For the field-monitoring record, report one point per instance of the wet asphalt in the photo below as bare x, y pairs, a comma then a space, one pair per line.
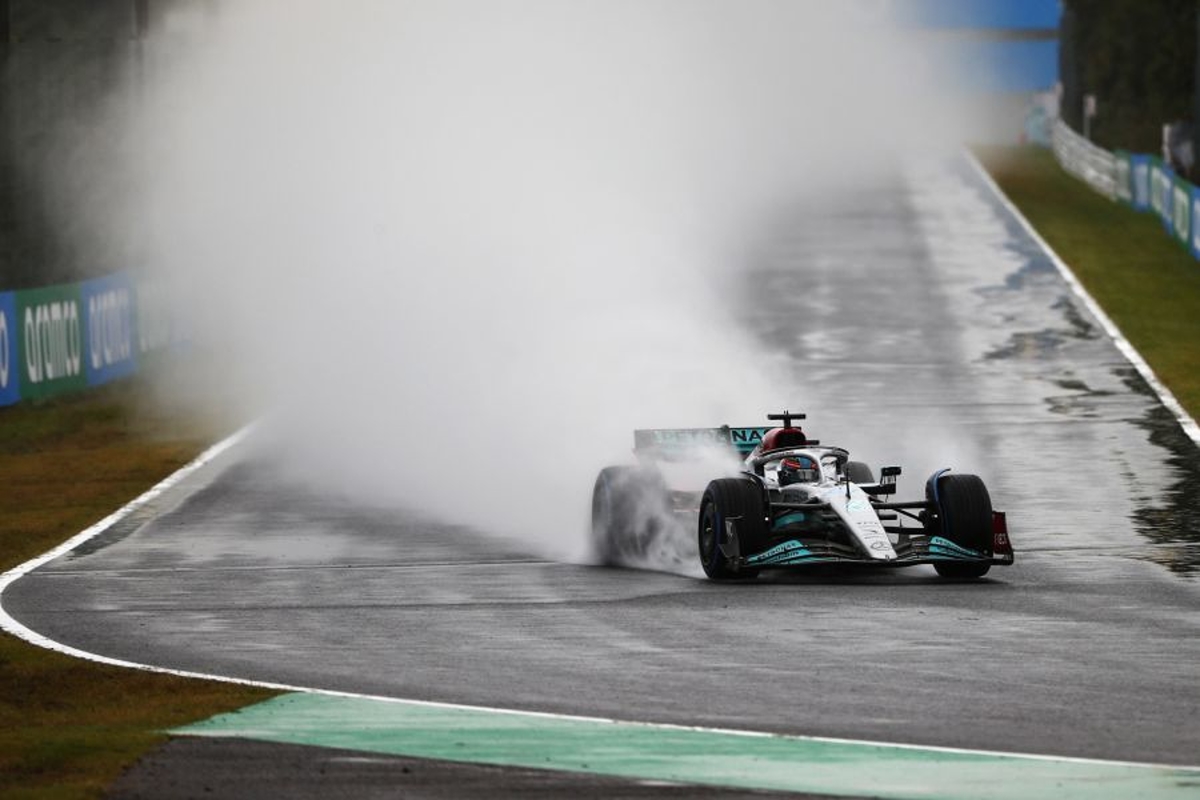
187, 768
920, 326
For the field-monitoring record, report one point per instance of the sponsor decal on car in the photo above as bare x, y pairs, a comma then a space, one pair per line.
683, 436
940, 547
788, 550
747, 436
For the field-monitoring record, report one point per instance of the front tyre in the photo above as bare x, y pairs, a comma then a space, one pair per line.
964, 518
726, 500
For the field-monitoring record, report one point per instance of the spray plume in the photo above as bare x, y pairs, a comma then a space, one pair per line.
461, 248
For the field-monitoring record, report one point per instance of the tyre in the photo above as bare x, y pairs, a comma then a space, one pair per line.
727, 499
628, 506
965, 518
859, 472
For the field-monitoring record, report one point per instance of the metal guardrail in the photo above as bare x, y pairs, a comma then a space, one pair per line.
1094, 165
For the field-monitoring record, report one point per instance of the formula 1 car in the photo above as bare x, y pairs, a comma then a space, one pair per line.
790, 502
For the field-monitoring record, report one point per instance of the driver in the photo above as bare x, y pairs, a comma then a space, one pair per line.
798, 469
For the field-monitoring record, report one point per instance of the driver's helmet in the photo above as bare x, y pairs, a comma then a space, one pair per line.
798, 469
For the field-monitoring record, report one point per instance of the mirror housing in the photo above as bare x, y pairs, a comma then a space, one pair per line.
887, 480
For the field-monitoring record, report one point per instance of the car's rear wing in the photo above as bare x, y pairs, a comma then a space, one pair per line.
675, 442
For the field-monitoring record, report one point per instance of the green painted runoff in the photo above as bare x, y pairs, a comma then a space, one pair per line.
666, 753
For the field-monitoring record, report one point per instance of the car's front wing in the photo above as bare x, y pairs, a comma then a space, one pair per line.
910, 550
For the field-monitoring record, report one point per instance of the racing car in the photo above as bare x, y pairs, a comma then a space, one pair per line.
789, 501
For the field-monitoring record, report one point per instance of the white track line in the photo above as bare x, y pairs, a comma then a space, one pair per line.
1134, 357
12, 626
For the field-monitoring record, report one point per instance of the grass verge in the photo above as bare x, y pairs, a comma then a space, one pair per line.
1145, 281
69, 727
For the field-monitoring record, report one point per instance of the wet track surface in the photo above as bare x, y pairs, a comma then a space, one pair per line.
920, 327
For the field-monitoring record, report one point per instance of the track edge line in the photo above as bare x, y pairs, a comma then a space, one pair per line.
1165, 395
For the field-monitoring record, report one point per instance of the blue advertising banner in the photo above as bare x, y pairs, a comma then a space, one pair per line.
110, 326
1139, 169
9, 365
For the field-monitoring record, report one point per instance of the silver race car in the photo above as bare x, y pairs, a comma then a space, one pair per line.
788, 501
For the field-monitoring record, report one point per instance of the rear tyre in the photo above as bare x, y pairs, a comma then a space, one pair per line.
627, 506
859, 472
965, 518
740, 501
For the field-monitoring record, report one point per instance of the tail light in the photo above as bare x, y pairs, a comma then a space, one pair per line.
1001, 546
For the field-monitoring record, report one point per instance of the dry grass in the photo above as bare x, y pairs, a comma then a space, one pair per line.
69, 727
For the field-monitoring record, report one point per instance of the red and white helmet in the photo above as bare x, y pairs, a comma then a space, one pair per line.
798, 469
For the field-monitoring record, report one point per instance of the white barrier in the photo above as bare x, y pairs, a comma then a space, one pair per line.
1094, 165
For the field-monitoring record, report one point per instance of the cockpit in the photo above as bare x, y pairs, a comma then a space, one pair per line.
808, 465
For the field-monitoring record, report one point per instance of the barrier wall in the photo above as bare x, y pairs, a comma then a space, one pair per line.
60, 339
9, 391
1142, 182
1093, 165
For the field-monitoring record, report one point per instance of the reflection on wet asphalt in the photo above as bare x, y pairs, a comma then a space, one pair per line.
923, 326
1170, 519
